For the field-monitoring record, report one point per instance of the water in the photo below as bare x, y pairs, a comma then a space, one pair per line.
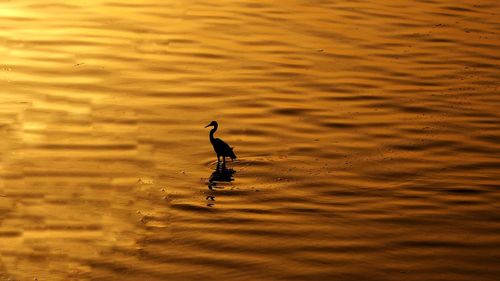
367, 134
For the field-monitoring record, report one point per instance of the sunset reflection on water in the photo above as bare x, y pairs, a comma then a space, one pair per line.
367, 136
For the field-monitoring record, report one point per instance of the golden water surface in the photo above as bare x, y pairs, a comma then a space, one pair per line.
367, 132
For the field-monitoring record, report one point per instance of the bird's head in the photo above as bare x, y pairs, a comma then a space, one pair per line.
213, 123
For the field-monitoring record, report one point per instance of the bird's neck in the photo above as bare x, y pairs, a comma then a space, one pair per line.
212, 133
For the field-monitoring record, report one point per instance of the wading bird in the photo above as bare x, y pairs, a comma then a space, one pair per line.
221, 148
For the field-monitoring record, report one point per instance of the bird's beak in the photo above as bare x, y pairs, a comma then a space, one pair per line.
207, 126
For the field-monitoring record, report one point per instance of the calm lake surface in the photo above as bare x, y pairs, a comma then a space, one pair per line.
367, 135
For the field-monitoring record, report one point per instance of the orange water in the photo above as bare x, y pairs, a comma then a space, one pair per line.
367, 133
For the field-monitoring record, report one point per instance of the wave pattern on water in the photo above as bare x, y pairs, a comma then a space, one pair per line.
367, 133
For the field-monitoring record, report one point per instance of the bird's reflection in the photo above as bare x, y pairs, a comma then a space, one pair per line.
219, 177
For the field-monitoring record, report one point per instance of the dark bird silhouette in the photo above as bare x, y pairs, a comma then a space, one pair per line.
221, 148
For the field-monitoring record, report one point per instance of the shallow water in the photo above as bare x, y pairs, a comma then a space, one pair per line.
367, 134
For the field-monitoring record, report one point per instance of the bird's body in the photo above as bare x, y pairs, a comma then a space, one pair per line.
221, 148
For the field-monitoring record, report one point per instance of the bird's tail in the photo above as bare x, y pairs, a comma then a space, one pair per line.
232, 155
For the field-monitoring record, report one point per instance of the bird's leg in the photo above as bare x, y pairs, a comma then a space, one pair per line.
224, 160
218, 158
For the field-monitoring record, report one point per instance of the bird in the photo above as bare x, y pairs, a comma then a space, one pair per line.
221, 148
